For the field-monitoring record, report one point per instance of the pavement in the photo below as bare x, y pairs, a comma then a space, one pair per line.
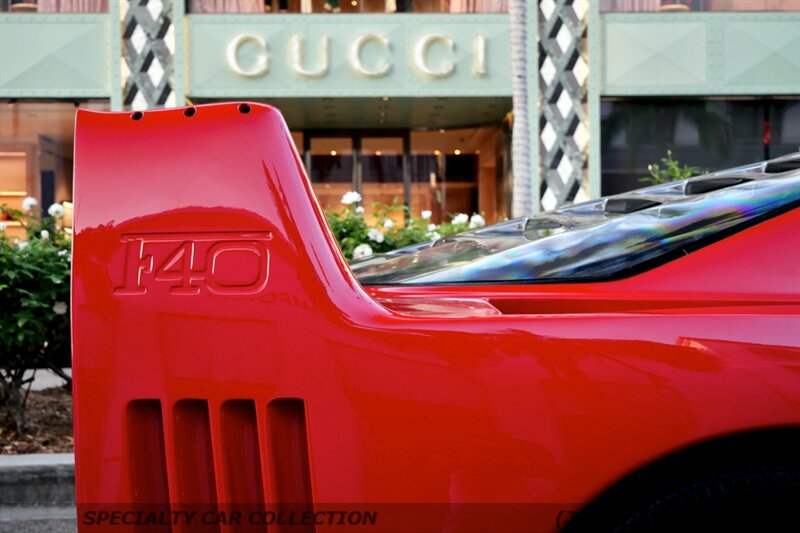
38, 519
45, 379
37, 491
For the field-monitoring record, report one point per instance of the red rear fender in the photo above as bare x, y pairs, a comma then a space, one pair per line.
205, 276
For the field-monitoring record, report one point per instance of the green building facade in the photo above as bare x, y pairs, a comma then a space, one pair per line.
412, 100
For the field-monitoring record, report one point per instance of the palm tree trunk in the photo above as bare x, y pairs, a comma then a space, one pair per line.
521, 190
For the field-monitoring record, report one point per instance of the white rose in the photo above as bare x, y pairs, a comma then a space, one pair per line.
2, 227
62, 253
22, 244
44, 234
359, 210
432, 227
60, 308
351, 197
375, 235
434, 235
460, 218
388, 223
56, 210
29, 203
361, 251
426, 215
476, 221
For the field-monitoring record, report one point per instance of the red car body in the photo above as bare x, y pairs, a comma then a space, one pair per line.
225, 355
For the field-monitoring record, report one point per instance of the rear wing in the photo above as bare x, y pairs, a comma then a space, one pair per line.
204, 277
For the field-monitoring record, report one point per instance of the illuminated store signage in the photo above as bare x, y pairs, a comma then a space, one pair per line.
319, 57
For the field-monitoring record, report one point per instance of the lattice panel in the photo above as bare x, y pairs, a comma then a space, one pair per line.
148, 48
563, 116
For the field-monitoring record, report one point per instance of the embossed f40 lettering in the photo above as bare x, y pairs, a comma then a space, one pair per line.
235, 264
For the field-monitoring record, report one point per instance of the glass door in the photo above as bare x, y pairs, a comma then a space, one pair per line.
371, 163
438, 171
330, 163
444, 179
381, 173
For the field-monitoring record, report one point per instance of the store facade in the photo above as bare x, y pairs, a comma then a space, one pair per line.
398, 109
410, 101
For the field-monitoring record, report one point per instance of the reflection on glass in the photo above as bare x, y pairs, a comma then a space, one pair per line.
683, 6
709, 134
344, 6
784, 127
233, 6
589, 247
54, 6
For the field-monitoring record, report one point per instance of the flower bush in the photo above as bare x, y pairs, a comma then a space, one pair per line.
358, 239
34, 298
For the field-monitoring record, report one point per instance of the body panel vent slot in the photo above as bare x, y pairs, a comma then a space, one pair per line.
782, 166
243, 481
623, 206
147, 461
195, 482
289, 468
713, 184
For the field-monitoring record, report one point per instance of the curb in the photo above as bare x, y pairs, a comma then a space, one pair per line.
37, 479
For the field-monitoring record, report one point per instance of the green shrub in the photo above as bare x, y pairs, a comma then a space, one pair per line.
669, 170
34, 298
358, 239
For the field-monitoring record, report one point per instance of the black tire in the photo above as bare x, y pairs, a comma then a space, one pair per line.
750, 500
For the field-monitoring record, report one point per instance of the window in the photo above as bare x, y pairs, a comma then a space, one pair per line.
448, 171
683, 6
709, 134
589, 242
36, 147
54, 6
347, 6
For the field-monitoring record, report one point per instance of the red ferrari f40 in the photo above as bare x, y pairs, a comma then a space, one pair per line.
626, 364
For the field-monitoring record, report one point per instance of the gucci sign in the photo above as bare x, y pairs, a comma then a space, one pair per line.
320, 67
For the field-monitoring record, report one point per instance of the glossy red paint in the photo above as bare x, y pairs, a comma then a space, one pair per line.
224, 353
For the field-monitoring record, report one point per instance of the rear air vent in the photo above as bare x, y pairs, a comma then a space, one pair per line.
241, 452
234, 455
194, 460
623, 206
290, 477
782, 166
713, 184
147, 461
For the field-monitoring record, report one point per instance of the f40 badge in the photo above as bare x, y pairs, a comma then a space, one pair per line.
234, 264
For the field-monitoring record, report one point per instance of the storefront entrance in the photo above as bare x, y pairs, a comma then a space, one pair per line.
374, 163
443, 171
